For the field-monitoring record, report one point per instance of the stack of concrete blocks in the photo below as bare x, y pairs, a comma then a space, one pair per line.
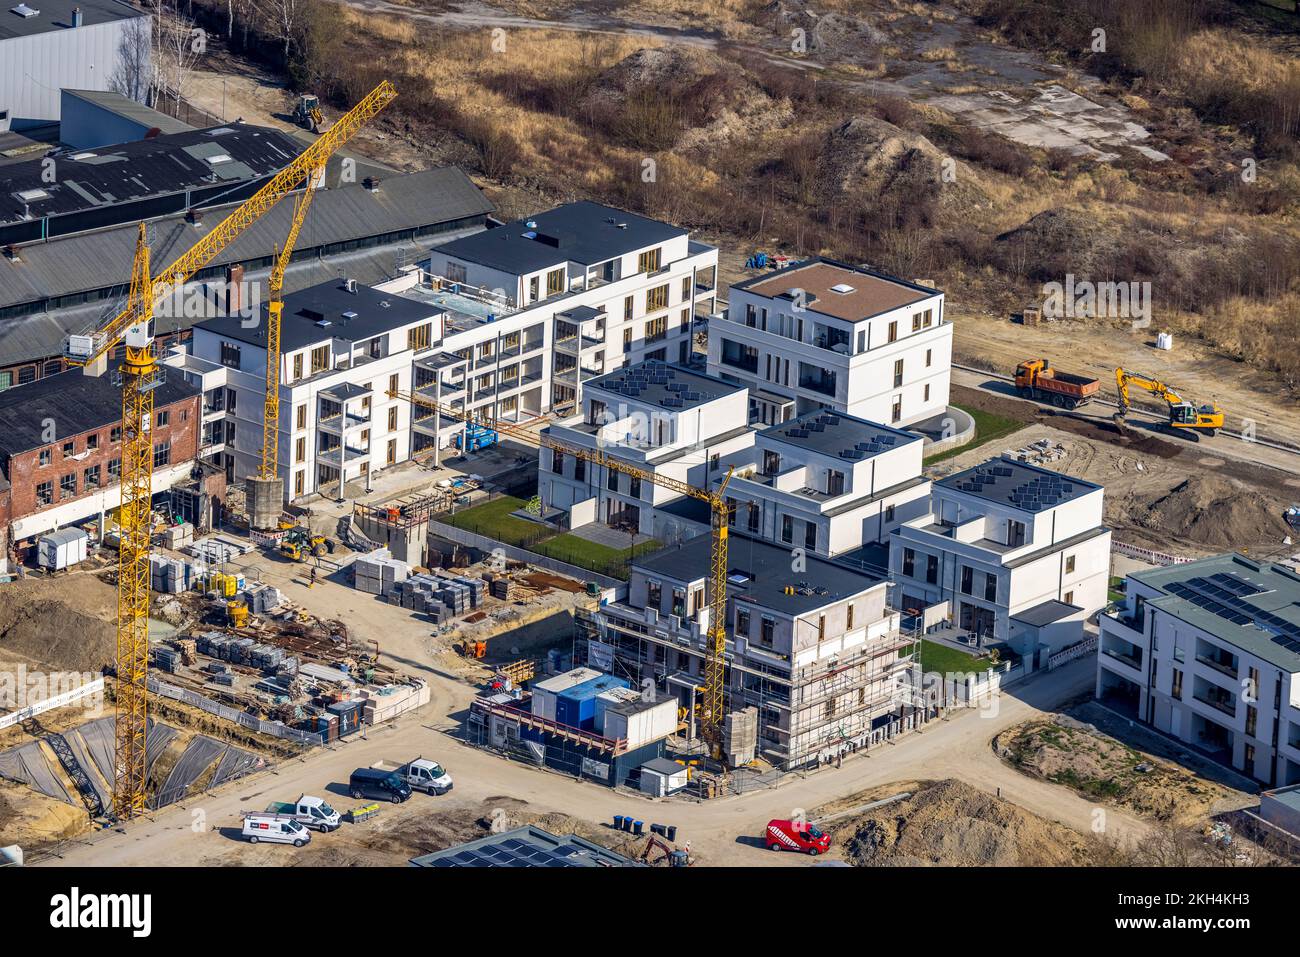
263, 598
170, 575
379, 572
179, 536
740, 736
386, 703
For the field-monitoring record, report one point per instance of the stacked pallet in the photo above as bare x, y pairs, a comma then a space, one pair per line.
502, 588
378, 573
170, 575
263, 598
440, 597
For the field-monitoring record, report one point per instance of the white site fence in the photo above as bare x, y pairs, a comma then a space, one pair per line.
1148, 555
1063, 657
275, 728
95, 687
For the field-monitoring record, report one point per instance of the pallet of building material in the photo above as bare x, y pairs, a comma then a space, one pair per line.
226, 680
188, 648
363, 813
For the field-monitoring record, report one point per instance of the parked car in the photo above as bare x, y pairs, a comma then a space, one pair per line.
378, 783
275, 829
308, 811
792, 836
420, 774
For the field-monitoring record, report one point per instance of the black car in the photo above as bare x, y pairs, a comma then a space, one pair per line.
377, 783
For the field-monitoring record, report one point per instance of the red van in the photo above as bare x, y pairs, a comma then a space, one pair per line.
789, 836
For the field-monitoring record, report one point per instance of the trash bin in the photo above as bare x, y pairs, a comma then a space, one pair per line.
618, 822
671, 832
638, 828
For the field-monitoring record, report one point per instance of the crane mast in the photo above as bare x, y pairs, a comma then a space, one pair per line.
713, 697
138, 376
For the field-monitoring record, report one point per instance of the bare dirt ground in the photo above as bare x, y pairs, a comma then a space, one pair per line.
64, 623
1069, 752
1160, 493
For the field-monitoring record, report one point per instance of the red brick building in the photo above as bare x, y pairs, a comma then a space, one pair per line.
61, 451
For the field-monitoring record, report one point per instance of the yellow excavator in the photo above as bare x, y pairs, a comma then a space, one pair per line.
1186, 418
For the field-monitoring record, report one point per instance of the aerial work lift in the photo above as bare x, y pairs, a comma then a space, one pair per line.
711, 705
140, 374
1186, 418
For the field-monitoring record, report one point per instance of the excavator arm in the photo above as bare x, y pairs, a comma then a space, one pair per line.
714, 691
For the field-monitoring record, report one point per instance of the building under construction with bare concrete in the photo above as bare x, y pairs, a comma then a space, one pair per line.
816, 651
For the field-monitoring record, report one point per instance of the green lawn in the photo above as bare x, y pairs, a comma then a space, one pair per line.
1113, 593
494, 520
945, 660
987, 428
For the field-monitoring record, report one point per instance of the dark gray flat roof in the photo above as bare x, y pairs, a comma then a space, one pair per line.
129, 109
56, 15
658, 383
582, 232
766, 571
372, 313
843, 436
527, 846
1018, 484
1046, 612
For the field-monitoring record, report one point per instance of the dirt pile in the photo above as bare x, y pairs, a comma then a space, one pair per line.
1215, 511
62, 624
1068, 752
950, 823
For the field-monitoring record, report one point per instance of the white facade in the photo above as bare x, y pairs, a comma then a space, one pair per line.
1228, 687
825, 335
1001, 540
694, 445
49, 54
829, 483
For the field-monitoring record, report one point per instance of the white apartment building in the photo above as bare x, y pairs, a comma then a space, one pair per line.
344, 347
823, 662
824, 335
1209, 652
657, 417
1010, 552
612, 289
830, 483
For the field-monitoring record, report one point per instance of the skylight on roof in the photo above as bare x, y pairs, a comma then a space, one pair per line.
842, 288
82, 156
24, 11
218, 159
32, 195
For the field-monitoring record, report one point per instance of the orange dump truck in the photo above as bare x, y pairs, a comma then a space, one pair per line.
1036, 379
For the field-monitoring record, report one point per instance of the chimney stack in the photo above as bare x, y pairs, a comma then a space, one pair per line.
76, 17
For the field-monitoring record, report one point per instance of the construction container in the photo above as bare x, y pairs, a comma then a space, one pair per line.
62, 549
544, 692
576, 706
350, 715
612, 696
639, 722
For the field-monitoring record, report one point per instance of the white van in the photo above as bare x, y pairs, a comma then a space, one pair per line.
275, 829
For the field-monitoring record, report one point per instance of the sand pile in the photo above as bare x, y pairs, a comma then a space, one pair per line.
1216, 512
65, 624
952, 824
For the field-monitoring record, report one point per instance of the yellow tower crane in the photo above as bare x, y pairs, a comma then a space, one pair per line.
139, 375
713, 698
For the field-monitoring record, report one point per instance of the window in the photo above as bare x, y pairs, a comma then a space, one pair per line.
297, 366
654, 594
896, 413
392, 419
1015, 533
68, 449
991, 587
45, 493
821, 627
686, 292
1176, 688
320, 359
230, 355
656, 329
555, 282
679, 602
44, 457
557, 462
162, 454
909, 562
926, 395
611, 482
967, 580
850, 614
90, 478
893, 331
898, 373
656, 298
115, 434
889, 513
162, 418
739, 356
68, 486
627, 339
767, 631
1069, 564
627, 308
649, 260
634, 486
1252, 718
787, 529
1068, 598
809, 535
298, 482
391, 455
742, 622
932, 569
929, 354
533, 286
300, 417
115, 469
92, 441
580, 470
394, 382
300, 450
754, 517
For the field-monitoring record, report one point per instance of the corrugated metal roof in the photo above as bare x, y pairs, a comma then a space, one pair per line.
89, 262
128, 108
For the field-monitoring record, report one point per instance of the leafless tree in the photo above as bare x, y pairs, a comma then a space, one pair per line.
282, 17
180, 45
135, 74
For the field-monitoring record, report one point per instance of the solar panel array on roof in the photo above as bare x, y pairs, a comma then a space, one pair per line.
656, 381
510, 853
1224, 596
1041, 491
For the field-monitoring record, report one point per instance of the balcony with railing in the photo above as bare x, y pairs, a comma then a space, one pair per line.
1215, 697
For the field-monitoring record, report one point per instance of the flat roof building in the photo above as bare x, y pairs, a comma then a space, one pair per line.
527, 846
